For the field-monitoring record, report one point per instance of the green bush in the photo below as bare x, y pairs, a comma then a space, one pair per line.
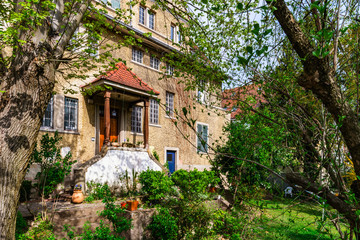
156, 185
112, 231
226, 224
53, 167
21, 226
97, 191
41, 230
194, 184
163, 225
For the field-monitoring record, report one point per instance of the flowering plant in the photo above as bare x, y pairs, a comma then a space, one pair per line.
78, 187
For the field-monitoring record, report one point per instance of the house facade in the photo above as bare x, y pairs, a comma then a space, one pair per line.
137, 103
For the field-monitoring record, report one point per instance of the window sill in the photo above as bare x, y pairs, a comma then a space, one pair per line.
135, 133
155, 125
170, 117
59, 131
143, 65
152, 30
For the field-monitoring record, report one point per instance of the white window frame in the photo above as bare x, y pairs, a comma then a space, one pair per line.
136, 119
172, 32
137, 55
154, 112
170, 104
49, 108
201, 93
169, 69
142, 14
154, 63
74, 108
151, 21
201, 148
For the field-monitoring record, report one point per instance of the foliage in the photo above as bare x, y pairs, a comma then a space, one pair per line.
21, 225
41, 230
156, 155
229, 225
97, 191
53, 167
25, 190
163, 226
113, 213
156, 185
253, 139
194, 184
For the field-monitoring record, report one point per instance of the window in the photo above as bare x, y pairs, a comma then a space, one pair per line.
151, 20
169, 69
201, 94
170, 104
136, 119
70, 114
115, 4
47, 121
154, 62
93, 44
154, 111
202, 137
179, 36
172, 33
137, 55
142, 15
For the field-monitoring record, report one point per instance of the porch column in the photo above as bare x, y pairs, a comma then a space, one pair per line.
107, 117
146, 123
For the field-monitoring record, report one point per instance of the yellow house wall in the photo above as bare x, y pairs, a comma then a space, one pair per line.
163, 136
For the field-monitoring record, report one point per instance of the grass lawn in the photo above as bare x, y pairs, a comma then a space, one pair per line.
288, 219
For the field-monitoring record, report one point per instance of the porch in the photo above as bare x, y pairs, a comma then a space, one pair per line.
121, 102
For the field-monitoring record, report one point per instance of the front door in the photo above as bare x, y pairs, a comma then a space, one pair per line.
170, 158
113, 130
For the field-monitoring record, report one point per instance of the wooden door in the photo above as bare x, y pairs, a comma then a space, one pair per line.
113, 130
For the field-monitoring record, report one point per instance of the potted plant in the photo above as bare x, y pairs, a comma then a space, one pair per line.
78, 196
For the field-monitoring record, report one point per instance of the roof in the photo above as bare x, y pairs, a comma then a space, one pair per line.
122, 75
232, 96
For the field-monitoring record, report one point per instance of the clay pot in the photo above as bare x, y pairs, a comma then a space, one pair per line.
212, 189
132, 205
77, 197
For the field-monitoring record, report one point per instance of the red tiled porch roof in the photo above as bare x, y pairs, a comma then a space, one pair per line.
122, 75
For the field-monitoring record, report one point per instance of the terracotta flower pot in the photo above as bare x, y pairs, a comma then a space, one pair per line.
132, 205
212, 189
77, 197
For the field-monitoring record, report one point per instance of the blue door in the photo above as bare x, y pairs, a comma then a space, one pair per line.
170, 158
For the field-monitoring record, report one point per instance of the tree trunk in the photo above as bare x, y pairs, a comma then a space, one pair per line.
27, 89
319, 77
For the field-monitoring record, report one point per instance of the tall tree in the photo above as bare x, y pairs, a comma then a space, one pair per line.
39, 41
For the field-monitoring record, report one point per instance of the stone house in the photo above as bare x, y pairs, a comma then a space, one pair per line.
139, 109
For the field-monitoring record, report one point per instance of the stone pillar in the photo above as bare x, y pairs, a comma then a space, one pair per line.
107, 117
146, 123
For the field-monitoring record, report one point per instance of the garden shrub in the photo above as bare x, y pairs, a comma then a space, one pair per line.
118, 224
53, 167
163, 225
41, 230
227, 224
97, 191
21, 225
194, 184
156, 185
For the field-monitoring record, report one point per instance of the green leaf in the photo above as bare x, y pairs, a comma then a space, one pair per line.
240, 6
